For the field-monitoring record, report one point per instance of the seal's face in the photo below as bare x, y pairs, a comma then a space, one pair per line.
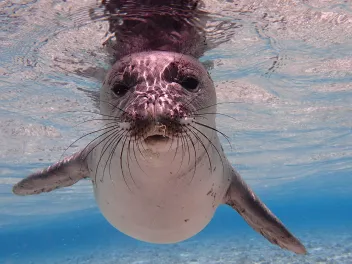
157, 97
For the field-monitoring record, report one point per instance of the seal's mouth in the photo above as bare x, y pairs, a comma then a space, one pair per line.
153, 139
158, 134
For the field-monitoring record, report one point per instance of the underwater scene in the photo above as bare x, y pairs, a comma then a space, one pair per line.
73, 71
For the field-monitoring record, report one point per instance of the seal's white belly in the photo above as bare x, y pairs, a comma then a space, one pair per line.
162, 203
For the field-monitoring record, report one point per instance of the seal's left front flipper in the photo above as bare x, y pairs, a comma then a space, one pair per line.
61, 174
240, 197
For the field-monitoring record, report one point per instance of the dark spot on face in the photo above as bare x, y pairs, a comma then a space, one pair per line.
189, 83
170, 73
129, 79
120, 89
186, 220
211, 190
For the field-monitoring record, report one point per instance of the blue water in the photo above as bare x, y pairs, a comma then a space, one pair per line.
320, 218
290, 74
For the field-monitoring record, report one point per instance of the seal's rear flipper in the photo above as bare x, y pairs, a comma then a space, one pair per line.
61, 174
240, 197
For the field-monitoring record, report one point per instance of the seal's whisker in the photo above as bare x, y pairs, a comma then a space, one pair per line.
98, 119
111, 141
180, 138
135, 156
221, 158
195, 154
112, 152
114, 106
186, 141
121, 164
183, 145
115, 144
110, 138
143, 144
172, 141
199, 109
137, 140
205, 148
91, 112
216, 130
128, 156
96, 131
177, 145
138, 143
191, 101
95, 145
182, 156
216, 114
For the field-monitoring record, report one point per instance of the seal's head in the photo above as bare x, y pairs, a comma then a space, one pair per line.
157, 98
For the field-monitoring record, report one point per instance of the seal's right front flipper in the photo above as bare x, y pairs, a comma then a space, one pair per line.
61, 174
258, 216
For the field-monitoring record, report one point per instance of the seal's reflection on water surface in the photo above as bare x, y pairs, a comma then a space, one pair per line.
157, 167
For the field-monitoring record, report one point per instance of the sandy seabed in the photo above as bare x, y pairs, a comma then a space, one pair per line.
322, 248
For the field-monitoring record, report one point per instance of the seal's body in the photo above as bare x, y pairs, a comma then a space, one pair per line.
158, 169
155, 196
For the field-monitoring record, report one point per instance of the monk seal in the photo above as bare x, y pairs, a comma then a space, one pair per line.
158, 169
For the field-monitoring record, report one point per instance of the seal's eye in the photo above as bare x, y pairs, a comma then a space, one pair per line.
190, 84
120, 89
